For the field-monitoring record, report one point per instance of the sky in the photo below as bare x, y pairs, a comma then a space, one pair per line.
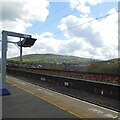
63, 27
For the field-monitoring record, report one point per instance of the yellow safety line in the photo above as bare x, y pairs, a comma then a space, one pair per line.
47, 101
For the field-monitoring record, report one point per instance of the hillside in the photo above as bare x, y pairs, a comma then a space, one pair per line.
109, 66
52, 58
72, 63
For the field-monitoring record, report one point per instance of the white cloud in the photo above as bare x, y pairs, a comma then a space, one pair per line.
100, 37
47, 35
25, 10
17, 25
80, 6
83, 6
71, 46
108, 28
17, 16
95, 40
84, 31
36, 10
43, 45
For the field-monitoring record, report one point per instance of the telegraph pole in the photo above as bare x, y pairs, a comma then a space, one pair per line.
20, 53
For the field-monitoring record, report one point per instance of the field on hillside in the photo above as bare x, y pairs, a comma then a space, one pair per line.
52, 61
50, 58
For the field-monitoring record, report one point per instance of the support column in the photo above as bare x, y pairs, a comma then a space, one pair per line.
20, 53
3, 90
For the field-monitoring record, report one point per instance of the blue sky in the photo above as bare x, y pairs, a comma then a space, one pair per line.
98, 40
58, 10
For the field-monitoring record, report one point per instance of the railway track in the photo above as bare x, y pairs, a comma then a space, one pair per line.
58, 84
98, 77
79, 108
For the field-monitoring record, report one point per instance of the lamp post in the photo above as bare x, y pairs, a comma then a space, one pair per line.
27, 42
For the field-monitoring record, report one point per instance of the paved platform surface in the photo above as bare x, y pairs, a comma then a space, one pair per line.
21, 104
37, 102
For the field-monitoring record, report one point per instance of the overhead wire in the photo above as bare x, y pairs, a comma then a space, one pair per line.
59, 10
56, 12
86, 22
97, 18
54, 21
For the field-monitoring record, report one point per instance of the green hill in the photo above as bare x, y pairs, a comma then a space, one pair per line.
108, 66
52, 58
54, 61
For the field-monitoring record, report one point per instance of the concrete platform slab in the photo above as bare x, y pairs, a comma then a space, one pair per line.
73, 106
21, 104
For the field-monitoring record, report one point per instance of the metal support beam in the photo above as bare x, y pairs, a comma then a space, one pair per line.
3, 90
3, 61
14, 34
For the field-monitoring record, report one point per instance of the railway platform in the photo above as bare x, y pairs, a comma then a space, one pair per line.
31, 101
22, 104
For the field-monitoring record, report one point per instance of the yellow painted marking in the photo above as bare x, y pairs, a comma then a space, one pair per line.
10, 82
